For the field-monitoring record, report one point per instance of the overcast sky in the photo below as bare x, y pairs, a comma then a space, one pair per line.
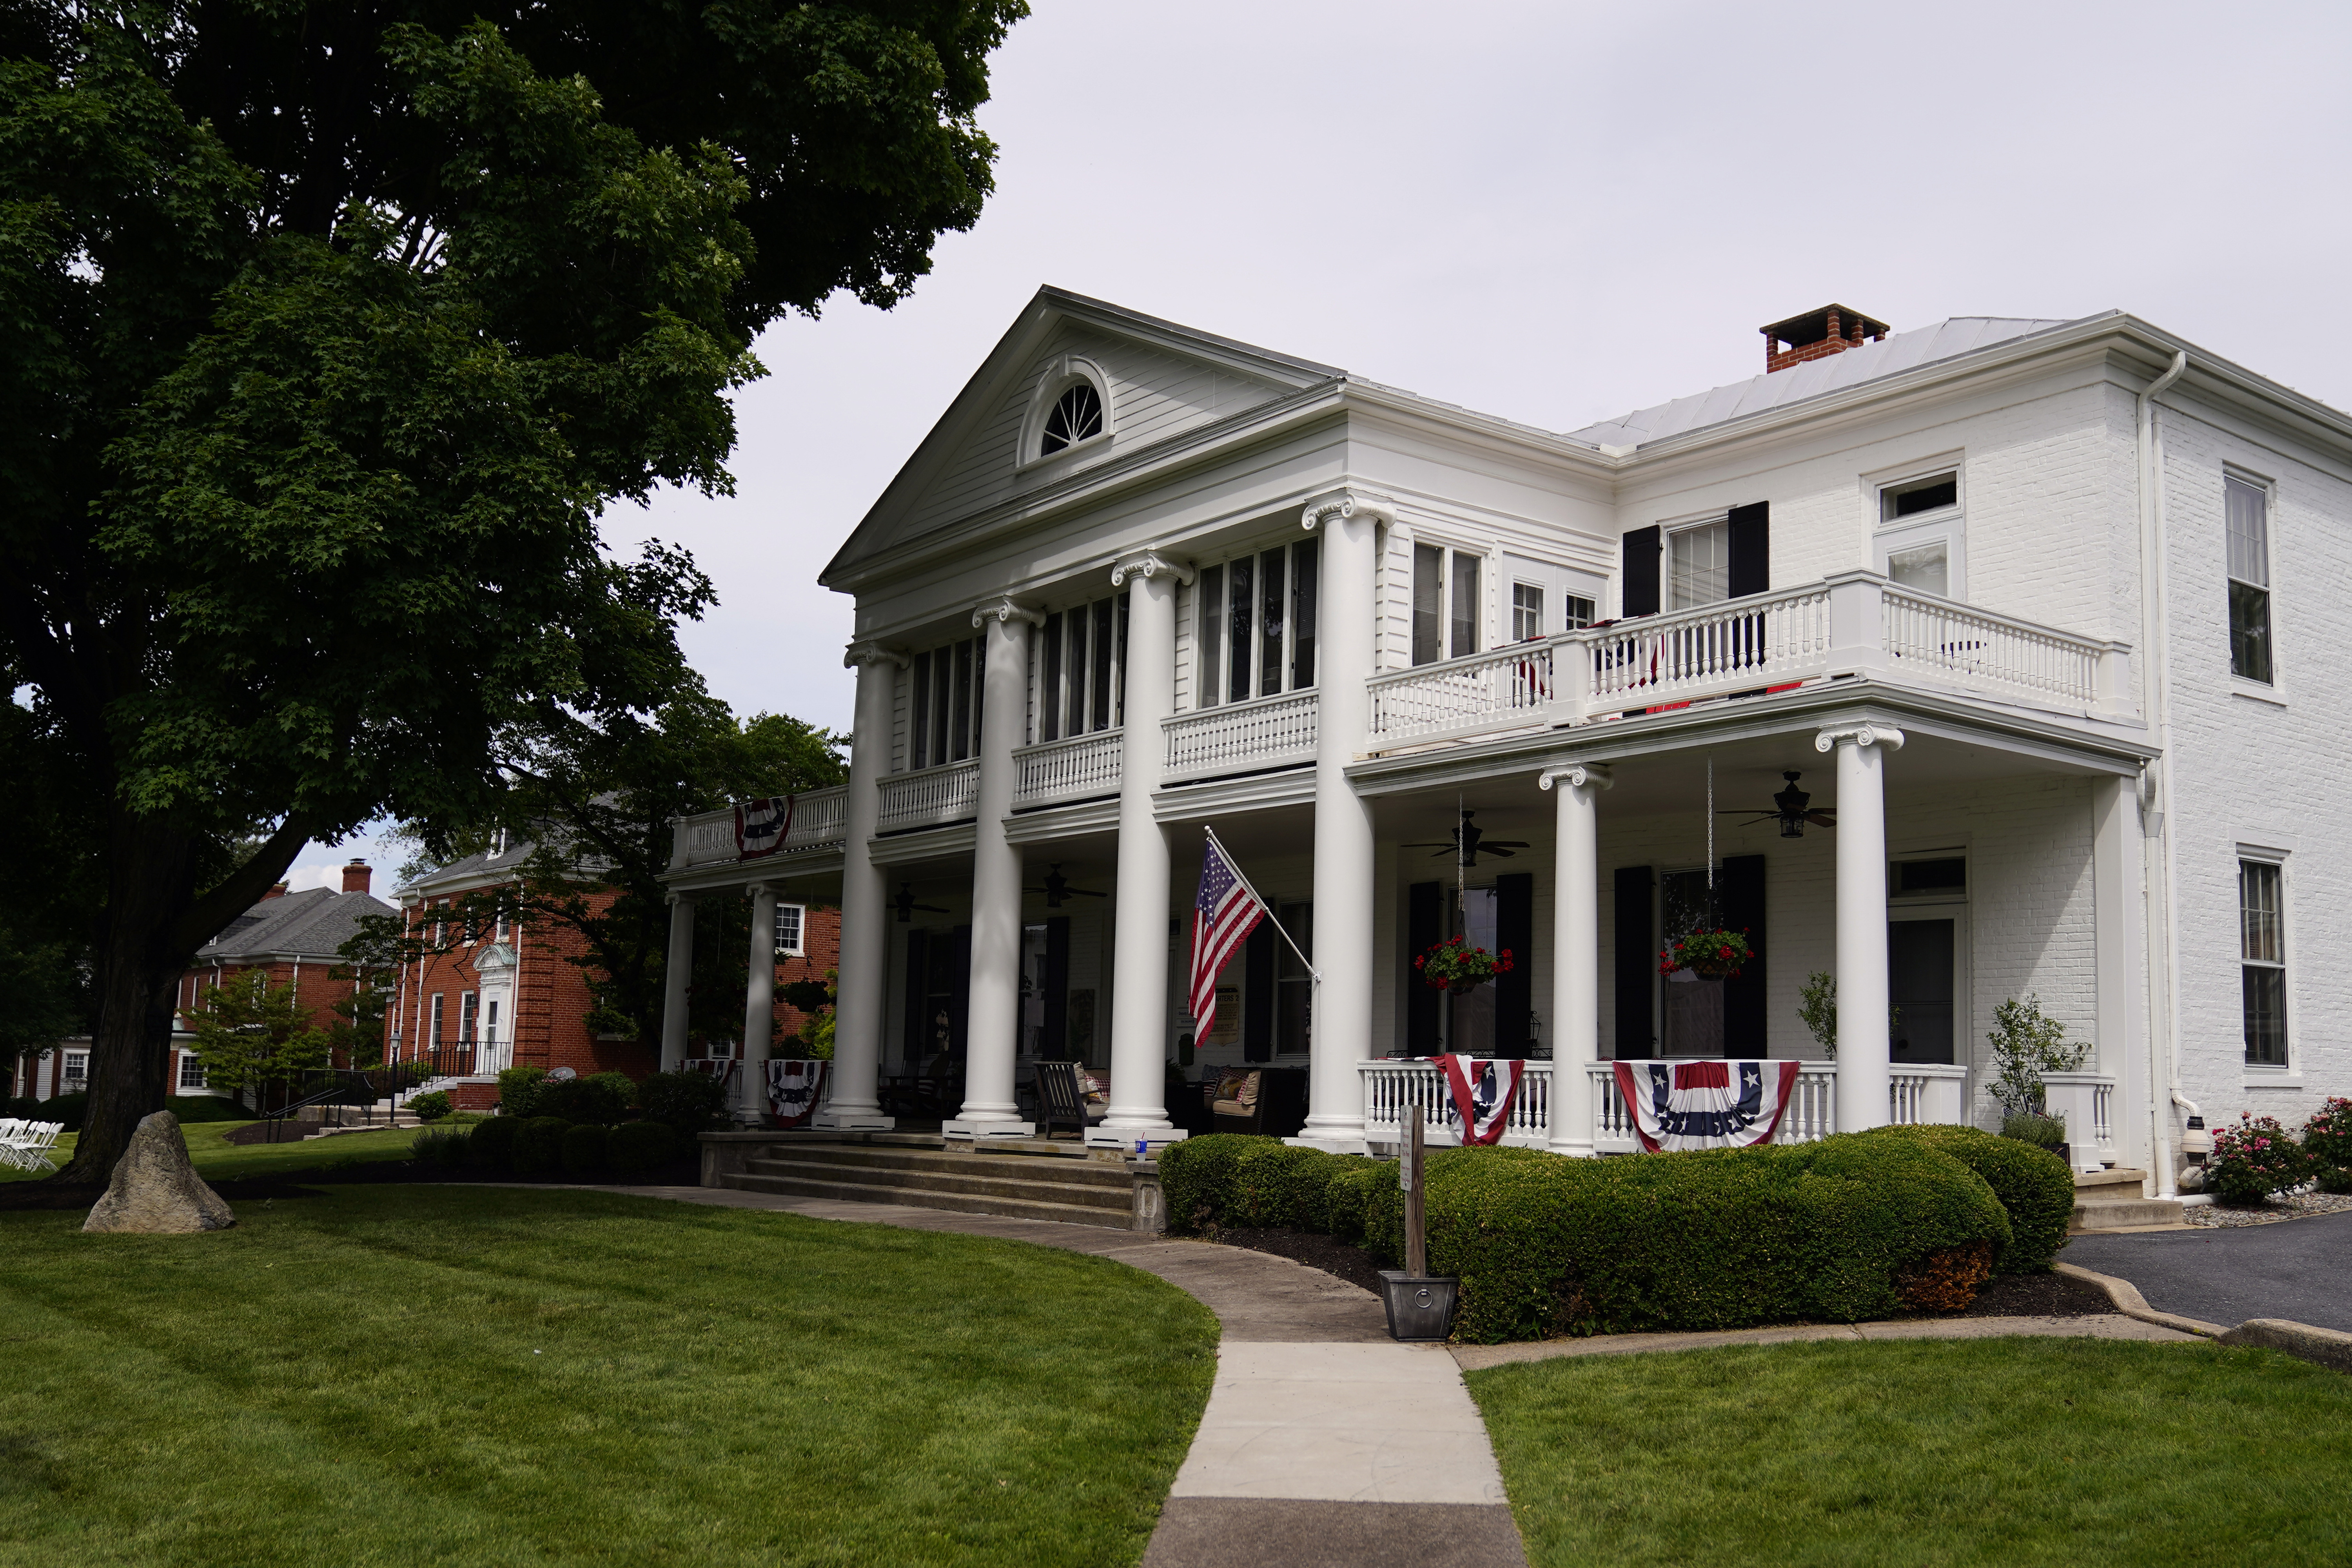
1553, 213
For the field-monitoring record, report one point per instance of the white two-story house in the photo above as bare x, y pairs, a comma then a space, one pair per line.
1985, 660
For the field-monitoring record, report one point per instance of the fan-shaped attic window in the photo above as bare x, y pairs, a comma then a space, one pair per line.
1076, 415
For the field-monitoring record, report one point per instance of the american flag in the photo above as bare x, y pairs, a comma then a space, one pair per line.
1225, 913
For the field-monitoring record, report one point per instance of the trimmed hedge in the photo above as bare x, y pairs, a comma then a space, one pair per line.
1237, 1179
602, 1098
687, 1101
431, 1107
539, 1144
194, 1109
638, 1147
2033, 1184
492, 1142
583, 1148
518, 1091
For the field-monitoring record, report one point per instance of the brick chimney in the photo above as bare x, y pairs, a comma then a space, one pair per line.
356, 877
276, 892
1817, 334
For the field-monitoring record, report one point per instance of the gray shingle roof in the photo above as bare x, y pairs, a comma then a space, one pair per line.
471, 868
311, 924
1889, 356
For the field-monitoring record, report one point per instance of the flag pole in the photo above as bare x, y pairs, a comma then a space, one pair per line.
1265, 907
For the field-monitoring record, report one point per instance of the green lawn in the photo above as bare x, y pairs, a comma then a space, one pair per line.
216, 1159
423, 1375
1998, 1452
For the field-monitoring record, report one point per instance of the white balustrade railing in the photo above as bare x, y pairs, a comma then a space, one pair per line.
1918, 1094
819, 820
1262, 734
1072, 769
1483, 692
2087, 1101
1739, 645
1392, 1085
1935, 639
929, 796
1811, 1113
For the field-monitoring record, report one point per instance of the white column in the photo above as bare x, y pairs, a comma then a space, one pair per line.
2121, 1036
1139, 996
859, 1004
1341, 1035
759, 1011
993, 1036
1862, 1071
676, 972
1575, 952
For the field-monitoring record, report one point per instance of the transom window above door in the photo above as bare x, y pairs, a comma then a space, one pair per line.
1254, 624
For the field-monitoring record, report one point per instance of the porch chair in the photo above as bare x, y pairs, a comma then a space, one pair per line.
1270, 1102
1061, 1097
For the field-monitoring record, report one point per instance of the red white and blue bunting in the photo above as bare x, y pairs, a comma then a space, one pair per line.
1706, 1105
761, 826
793, 1087
1483, 1091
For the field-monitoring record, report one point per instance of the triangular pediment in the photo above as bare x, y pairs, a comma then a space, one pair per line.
1157, 382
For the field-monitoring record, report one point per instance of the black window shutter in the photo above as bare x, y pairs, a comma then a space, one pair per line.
1640, 588
1257, 995
1740, 890
1514, 929
1055, 1047
1425, 927
1751, 549
1635, 962
918, 996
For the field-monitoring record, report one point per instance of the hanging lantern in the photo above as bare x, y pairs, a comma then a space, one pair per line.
1791, 802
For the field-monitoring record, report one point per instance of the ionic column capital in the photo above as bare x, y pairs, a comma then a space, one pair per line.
1347, 502
1886, 735
1147, 564
1579, 776
1004, 611
859, 653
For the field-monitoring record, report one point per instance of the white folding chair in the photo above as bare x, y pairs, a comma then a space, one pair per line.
35, 1150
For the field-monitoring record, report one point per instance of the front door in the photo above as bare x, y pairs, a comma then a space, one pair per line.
1919, 988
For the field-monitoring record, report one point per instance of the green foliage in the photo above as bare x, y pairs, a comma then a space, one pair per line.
439, 1146
2334, 1179
2327, 1136
2035, 1188
193, 1109
1232, 1179
250, 1034
492, 1143
584, 1148
2252, 1160
815, 998
431, 1107
65, 1109
1817, 1010
2032, 1127
685, 1100
1723, 1238
602, 1098
538, 1145
518, 1091
2025, 1044
636, 1148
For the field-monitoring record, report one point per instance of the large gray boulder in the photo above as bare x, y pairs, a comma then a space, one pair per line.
155, 1190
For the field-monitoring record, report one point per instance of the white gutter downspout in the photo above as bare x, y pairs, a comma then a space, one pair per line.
2156, 793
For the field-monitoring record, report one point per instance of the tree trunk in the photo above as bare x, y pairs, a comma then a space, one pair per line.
139, 967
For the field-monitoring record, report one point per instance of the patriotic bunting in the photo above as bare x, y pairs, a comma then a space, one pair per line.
1483, 1092
760, 826
1706, 1105
793, 1087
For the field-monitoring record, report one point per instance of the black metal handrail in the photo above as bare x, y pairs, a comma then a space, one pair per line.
324, 1087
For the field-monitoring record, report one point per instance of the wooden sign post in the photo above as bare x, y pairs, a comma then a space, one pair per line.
1416, 1236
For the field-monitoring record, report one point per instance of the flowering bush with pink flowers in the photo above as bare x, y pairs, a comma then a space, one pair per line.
2327, 1144
2252, 1160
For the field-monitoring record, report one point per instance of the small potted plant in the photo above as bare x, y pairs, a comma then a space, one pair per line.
1705, 955
1456, 965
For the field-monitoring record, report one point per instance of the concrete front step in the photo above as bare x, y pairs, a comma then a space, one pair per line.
995, 1167
1112, 1200
921, 1197
2125, 1214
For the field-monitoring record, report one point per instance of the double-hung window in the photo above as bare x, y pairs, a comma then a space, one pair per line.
788, 929
192, 1070
1701, 561
1081, 669
1254, 624
1446, 602
2248, 506
469, 1010
2262, 960
439, 1000
944, 718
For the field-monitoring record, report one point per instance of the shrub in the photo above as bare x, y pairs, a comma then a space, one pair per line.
468, 1118
431, 1107
438, 1146
583, 1148
687, 1101
66, 1107
638, 1147
1947, 1280
2327, 1144
518, 1091
2252, 1160
1348, 1191
2334, 1179
2033, 1127
1722, 1238
602, 1098
192, 1109
2025, 1044
492, 1142
2034, 1186
539, 1144
1237, 1179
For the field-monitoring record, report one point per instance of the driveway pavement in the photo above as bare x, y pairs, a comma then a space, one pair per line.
2300, 1269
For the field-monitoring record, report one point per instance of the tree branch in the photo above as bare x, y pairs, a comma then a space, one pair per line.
241, 888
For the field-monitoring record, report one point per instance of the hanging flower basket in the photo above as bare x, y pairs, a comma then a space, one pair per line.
1708, 954
1454, 965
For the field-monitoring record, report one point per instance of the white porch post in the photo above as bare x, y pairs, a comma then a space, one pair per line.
1576, 954
850, 1103
1139, 997
993, 1036
1340, 1034
676, 972
759, 1011
1863, 1069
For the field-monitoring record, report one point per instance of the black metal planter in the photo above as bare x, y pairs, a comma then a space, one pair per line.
1421, 1307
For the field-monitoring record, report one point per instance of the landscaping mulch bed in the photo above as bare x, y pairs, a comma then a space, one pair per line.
2004, 1296
26, 1197
2294, 1205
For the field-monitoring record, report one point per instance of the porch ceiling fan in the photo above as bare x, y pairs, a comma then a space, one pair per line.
1470, 841
905, 906
1058, 888
1790, 808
